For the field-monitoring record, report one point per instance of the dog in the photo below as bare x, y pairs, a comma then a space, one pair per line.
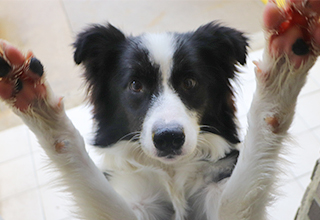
165, 125
171, 106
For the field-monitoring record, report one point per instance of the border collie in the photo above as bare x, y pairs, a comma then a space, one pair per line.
165, 114
165, 121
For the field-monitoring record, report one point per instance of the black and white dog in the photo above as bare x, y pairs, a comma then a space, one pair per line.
165, 120
165, 114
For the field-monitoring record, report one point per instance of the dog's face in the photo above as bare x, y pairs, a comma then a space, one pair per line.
162, 90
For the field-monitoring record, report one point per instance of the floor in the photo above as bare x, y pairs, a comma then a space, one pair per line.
49, 27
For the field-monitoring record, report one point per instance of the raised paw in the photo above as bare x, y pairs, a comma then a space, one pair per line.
293, 29
21, 77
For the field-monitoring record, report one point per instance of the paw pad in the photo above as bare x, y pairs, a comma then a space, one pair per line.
5, 68
300, 47
292, 30
21, 77
36, 66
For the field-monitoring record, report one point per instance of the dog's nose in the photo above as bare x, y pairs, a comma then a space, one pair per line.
169, 139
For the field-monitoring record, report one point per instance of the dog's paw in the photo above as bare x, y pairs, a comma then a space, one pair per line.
293, 30
21, 78
292, 46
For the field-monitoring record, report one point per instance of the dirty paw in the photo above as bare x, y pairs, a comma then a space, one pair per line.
21, 77
293, 30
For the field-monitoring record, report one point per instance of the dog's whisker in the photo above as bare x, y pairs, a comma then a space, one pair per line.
132, 141
135, 135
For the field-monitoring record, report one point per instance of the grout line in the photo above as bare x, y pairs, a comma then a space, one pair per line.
296, 117
13, 159
18, 194
309, 93
314, 134
65, 12
20, 156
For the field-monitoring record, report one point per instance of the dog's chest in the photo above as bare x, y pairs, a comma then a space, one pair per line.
171, 193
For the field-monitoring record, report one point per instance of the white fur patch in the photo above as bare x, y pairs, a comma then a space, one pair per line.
167, 107
161, 48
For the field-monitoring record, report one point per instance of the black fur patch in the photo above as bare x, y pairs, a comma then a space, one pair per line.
226, 166
209, 55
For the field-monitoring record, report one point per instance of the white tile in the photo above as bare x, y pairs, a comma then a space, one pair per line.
14, 143
154, 16
303, 153
288, 203
55, 204
244, 97
316, 131
17, 176
314, 71
81, 117
298, 126
24, 206
310, 87
308, 108
35, 146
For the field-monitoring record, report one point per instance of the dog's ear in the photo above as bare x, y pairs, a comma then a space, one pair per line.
99, 49
96, 42
221, 44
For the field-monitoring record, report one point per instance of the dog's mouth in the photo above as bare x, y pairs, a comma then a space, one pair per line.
169, 155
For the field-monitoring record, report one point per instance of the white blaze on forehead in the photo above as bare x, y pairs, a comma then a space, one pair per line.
161, 49
167, 107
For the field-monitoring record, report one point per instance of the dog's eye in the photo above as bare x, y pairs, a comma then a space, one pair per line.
189, 83
136, 86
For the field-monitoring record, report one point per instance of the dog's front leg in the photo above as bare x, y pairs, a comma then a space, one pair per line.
23, 87
292, 47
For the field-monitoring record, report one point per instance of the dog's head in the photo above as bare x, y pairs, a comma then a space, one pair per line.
162, 90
